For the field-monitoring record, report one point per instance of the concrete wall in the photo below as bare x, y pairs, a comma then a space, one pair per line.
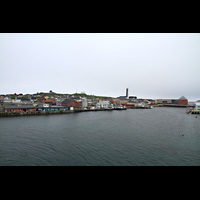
164, 101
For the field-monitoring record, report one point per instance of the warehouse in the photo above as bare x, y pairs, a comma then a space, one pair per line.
182, 101
16, 108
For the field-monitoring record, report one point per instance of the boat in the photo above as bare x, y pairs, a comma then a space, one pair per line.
188, 110
120, 108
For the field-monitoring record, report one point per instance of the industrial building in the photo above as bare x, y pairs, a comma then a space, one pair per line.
181, 101
127, 96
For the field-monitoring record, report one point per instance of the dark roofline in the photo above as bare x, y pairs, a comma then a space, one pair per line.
183, 98
19, 107
66, 101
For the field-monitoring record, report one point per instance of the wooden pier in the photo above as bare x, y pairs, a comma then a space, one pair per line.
195, 111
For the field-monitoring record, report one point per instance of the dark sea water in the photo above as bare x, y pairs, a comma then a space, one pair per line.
149, 137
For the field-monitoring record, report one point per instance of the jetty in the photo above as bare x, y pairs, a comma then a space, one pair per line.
176, 105
137, 107
195, 111
27, 113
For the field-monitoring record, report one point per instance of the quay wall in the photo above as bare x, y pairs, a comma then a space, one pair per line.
12, 114
138, 107
177, 105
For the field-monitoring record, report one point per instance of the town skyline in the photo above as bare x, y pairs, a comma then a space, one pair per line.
20, 104
84, 94
154, 66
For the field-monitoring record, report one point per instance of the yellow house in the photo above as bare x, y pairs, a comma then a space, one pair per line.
46, 97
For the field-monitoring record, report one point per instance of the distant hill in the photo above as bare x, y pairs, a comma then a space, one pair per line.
86, 95
74, 94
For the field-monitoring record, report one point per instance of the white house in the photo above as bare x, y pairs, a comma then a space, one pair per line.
16, 101
197, 105
7, 100
84, 102
103, 104
45, 105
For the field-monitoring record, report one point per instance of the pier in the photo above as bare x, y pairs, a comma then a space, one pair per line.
195, 112
12, 114
178, 106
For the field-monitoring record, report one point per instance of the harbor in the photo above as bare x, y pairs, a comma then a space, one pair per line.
117, 138
99, 99
54, 103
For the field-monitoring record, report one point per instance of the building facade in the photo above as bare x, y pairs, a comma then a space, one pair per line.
197, 105
50, 102
182, 101
103, 104
23, 108
84, 103
1, 106
70, 103
164, 101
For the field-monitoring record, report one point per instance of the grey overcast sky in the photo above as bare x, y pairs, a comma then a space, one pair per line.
159, 65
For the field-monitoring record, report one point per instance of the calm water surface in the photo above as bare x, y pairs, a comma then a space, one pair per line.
113, 138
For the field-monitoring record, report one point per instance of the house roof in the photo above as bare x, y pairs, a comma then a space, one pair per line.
182, 98
66, 101
25, 99
49, 100
10, 106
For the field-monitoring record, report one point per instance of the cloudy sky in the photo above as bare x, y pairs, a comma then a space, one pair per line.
151, 65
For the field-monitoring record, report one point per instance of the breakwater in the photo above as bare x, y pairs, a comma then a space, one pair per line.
13, 114
178, 106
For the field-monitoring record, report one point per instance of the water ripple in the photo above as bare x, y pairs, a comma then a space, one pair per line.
132, 137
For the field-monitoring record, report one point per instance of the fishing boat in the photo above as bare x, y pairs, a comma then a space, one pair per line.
120, 108
188, 110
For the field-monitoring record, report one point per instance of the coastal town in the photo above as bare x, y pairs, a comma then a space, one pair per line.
52, 102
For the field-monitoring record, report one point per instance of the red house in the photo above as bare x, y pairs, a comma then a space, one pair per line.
182, 101
70, 103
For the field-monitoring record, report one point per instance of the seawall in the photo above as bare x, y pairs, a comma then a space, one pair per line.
178, 106
13, 114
